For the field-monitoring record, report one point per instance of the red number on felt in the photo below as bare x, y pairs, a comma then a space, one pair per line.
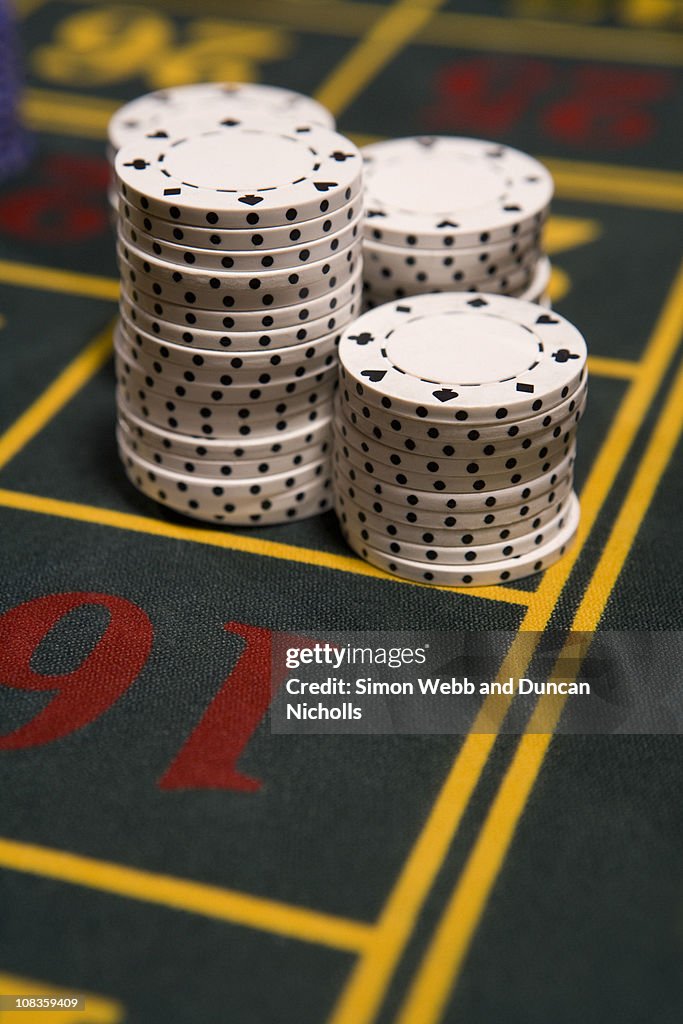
487, 95
608, 107
603, 107
66, 205
83, 694
209, 758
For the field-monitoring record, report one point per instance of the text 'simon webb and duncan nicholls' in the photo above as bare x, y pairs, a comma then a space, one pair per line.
441, 682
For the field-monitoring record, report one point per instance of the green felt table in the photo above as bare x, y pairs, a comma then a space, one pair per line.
161, 850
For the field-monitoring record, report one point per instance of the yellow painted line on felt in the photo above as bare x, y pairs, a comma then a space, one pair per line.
70, 282
561, 234
56, 395
606, 366
624, 186
71, 113
184, 894
553, 39
387, 36
453, 937
556, 38
646, 187
361, 998
640, 494
659, 352
234, 542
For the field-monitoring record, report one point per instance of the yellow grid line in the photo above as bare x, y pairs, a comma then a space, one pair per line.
553, 39
389, 34
455, 30
56, 396
235, 542
446, 954
187, 895
649, 188
619, 369
68, 113
69, 282
27, 275
370, 977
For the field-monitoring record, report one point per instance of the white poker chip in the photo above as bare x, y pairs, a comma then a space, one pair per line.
463, 358
475, 554
223, 291
434, 192
308, 500
456, 534
502, 454
295, 437
244, 321
228, 340
208, 365
211, 419
229, 391
448, 268
291, 257
510, 281
442, 474
348, 459
222, 469
241, 175
231, 489
160, 110
250, 240
431, 519
503, 571
449, 501
538, 286
431, 436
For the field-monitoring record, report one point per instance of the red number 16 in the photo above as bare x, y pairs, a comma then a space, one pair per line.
208, 758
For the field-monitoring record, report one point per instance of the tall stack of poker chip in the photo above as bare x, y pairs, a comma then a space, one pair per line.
455, 437
454, 214
15, 146
160, 111
239, 250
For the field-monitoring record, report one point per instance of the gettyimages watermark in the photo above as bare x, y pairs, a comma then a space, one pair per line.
380, 683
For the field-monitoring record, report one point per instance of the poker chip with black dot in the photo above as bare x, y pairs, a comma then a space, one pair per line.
240, 256
496, 387
446, 213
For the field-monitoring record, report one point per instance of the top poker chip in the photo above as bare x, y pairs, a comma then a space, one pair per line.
238, 175
463, 357
159, 110
446, 191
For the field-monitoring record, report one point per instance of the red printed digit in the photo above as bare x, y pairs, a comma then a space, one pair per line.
83, 694
609, 107
208, 759
47, 213
487, 95
67, 205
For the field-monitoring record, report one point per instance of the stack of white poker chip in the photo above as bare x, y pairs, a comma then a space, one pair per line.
239, 250
161, 111
454, 214
455, 437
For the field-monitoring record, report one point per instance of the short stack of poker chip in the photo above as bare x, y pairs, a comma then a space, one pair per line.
160, 111
239, 251
15, 147
454, 214
455, 437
